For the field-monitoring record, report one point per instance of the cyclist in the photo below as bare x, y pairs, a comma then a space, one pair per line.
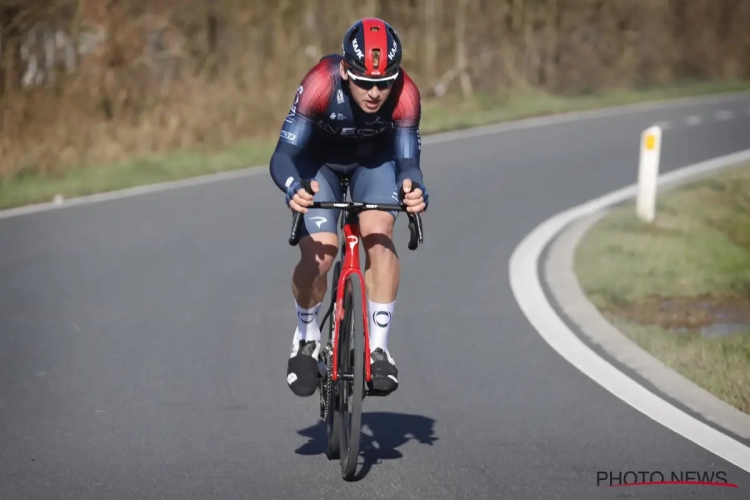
358, 114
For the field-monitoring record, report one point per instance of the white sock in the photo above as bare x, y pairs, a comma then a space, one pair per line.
307, 323
379, 324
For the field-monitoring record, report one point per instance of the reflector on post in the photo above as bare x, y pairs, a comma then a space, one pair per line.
648, 173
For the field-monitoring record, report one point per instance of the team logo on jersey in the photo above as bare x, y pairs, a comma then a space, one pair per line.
293, 110
349, 131
377, 121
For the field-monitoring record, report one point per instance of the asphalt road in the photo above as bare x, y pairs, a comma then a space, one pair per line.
143, 341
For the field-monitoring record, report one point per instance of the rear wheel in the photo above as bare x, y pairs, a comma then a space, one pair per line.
351, 387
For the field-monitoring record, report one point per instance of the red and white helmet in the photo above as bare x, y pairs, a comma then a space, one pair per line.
372, 50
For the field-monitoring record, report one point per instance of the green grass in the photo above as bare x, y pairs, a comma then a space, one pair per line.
719, 365
448, 114
665, 283
34, 188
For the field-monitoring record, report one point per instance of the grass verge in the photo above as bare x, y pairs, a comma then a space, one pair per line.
438, 116
680, 287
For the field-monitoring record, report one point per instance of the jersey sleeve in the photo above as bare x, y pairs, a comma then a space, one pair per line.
406, 118
310, 102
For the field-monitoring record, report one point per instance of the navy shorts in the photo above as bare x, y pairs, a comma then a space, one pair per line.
370, 180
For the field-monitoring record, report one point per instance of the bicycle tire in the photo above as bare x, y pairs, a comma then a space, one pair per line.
350, 390
333, 418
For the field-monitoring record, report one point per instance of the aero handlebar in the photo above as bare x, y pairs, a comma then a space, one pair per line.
415, 220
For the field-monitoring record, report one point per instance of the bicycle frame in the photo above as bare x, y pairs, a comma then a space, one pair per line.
350, 264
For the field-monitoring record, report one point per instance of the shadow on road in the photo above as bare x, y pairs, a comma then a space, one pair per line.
382, 433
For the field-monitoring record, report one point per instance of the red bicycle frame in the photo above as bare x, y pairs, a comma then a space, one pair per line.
350, 265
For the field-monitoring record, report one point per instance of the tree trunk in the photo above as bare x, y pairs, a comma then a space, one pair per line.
462, 56
430, 40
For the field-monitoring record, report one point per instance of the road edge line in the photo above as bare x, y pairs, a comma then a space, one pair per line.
567, 293
527, 289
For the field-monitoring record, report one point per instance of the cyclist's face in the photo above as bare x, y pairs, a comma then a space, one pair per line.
369, 99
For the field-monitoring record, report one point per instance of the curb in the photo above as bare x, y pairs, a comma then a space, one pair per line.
566, 291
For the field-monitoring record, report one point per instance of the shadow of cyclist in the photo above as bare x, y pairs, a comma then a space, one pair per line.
382, 433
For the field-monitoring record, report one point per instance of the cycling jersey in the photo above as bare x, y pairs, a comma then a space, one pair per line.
325, 122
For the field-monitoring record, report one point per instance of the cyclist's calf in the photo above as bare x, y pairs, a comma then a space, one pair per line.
309, 281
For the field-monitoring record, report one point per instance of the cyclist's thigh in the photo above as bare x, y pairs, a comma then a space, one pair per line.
320, 220
375, 183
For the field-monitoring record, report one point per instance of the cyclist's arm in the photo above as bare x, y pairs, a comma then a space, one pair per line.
294, 138
309, 103
406, 117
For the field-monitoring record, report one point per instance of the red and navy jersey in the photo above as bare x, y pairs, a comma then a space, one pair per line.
324, 117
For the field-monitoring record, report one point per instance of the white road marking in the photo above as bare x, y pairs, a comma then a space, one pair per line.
724, 114
579, 116
135, 191
693, 120
527, 289
664, 125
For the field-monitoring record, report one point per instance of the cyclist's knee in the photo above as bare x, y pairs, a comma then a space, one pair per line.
317, 252
372, 223
377, 234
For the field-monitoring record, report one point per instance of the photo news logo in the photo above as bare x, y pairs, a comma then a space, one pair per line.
613, 479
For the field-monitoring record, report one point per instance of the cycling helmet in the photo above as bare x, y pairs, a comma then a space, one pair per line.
372, 50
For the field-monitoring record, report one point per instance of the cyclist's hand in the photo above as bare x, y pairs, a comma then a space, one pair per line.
415, 201
302, 199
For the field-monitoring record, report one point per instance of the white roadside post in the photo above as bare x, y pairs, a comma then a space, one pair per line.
648, 172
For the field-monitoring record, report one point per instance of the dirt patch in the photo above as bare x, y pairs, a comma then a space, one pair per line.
686, 312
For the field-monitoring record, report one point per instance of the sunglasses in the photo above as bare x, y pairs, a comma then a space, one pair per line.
368, 83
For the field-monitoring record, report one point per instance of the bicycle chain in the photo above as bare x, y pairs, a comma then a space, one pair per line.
328, 382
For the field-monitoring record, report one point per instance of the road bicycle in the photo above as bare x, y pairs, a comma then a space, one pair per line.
343, 364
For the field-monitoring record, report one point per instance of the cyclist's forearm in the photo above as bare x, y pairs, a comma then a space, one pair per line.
296, 133
408, 168
283, 166
408, 151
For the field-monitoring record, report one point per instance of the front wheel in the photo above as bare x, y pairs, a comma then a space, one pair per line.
351, 383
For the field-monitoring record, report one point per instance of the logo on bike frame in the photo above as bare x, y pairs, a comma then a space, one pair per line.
352, 242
